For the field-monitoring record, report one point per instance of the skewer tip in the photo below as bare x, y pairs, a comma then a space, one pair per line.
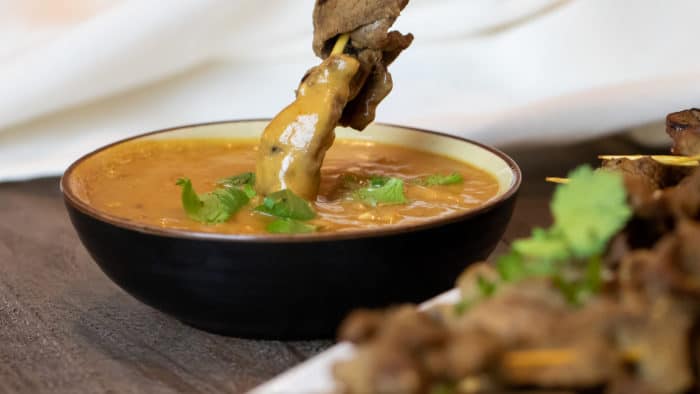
340, 44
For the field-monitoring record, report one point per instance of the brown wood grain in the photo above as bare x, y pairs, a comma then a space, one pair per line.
64, 327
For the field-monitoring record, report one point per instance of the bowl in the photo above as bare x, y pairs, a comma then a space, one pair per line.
296, 286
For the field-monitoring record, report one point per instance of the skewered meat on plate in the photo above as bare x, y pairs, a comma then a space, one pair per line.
624, 318
684, 128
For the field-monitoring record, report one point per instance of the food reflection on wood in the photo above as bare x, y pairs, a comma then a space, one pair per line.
345, 89
621, 319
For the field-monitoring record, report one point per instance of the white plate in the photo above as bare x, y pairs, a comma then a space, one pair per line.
314, 375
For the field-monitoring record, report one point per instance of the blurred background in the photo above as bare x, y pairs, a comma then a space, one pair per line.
78, 74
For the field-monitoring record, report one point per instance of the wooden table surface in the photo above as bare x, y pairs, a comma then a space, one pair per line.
64, 327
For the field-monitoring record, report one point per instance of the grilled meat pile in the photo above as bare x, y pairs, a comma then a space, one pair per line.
638, 334
684, 128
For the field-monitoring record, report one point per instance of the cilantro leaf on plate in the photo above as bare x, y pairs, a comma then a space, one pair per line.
285, 204
381, 191
590, 209
543, 244
290, 226
486, 287
214, 207
577, 292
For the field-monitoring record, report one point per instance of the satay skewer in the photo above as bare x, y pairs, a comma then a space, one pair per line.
554, 179
340, 44
671, 160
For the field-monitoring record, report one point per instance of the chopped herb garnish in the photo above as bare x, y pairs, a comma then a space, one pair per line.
547, 245
249, 190
214, 207
486, 287
439, 180
290, 226
244, 179
382, 191
577, 291
290, 210
285, 204
510, 267
462, 306
588, 211
378, 180
443, 388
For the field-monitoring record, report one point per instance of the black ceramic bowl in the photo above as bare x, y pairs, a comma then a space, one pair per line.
293, 287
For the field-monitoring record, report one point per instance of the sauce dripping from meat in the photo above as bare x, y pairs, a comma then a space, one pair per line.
345, 89
295, 142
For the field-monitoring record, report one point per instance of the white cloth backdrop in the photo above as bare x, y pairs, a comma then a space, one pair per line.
77, 74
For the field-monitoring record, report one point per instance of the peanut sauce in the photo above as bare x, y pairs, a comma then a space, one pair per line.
136, 181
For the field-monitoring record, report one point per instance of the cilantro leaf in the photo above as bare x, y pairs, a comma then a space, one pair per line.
389, 191
593, 280
378, 180
214, 207
248, 190
511, 266
462, 306
246, 178
486, 287
244, 181
440, 180
590, 209
290, 226
443, 388
578, 291
514, 266
285, 204
543, 244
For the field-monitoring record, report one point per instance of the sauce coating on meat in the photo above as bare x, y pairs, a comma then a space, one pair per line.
345, 89
295, 142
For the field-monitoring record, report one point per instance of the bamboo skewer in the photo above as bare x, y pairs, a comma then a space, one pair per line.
670, 160
554, 357
340, 44
539, 358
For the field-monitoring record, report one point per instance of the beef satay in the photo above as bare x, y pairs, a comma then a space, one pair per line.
295, 142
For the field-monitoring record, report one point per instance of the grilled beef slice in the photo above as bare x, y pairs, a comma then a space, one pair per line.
684, 128
368, 23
